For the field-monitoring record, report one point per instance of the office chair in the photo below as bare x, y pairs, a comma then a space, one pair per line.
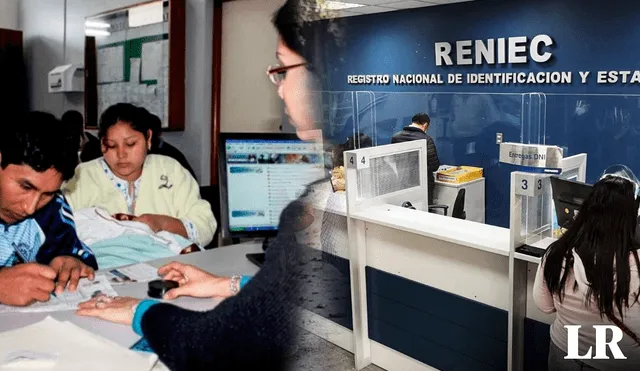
458, 205
433, 208
408, 205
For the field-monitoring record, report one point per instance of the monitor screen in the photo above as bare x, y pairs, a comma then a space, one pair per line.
568, 197
263, 175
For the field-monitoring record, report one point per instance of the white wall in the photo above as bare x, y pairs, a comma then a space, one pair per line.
9, 10
43, 24
249, 100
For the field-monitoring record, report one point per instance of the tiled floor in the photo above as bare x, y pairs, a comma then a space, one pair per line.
316, 354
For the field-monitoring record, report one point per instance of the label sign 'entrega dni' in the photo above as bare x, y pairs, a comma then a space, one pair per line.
532, 157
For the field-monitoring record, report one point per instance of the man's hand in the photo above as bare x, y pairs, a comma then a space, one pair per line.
69, 270
25, 284
156, 222
159, 223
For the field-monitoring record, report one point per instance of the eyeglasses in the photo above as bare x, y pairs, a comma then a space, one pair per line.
278, 73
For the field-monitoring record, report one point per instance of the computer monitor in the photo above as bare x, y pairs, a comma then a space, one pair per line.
568, 197
260, 174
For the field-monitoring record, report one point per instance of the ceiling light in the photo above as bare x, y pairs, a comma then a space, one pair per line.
94, 32
338, 5
94, 24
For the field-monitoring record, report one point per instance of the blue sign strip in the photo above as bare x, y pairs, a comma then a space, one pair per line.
537, 170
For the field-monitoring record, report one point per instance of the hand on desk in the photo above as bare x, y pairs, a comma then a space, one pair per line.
119, 309
24, 284
195, 282
69, 270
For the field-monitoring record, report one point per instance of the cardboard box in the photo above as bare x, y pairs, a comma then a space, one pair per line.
459, 174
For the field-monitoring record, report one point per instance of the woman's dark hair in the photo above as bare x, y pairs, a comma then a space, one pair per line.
603, 235
300, 28
125, 112
292, 28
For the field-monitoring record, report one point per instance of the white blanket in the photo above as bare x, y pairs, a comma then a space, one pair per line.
95, 225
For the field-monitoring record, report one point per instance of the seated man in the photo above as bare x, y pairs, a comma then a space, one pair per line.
38, 242
418, 131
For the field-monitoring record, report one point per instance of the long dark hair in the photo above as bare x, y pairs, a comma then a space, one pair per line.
603, 234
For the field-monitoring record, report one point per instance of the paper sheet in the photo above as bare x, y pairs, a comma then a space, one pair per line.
110, 64
67, 300
152, 59
68, 347
133, 273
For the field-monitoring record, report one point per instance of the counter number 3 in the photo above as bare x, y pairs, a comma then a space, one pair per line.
525, 184
529, 185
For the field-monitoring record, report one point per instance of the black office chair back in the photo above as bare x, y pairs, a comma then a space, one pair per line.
458, 206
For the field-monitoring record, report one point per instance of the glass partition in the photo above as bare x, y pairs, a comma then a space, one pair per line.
605, 127
464, 128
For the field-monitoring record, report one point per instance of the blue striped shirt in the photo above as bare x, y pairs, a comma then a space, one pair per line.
47, 234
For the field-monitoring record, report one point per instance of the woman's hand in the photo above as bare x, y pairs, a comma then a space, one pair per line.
194, 282
119, 309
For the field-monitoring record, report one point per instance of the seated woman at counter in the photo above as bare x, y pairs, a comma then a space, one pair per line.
156, 189
590, 277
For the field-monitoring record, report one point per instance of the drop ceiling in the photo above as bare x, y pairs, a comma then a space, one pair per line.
381, 6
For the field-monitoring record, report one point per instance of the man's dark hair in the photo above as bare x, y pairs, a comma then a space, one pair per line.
421, 118
127, 113
40, 141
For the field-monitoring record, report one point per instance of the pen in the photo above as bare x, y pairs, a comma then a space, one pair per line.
55, 284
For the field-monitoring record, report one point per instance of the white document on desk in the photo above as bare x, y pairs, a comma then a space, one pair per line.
67, 300
65, 346
134, 273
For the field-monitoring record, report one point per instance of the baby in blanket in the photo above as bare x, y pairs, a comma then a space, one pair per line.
117, 240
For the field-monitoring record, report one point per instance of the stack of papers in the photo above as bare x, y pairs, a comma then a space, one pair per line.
67, 300
54, 345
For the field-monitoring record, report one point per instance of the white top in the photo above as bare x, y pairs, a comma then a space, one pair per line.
574, 310
462, 232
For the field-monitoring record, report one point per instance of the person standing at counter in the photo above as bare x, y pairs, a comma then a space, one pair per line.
590, 277
417, 131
